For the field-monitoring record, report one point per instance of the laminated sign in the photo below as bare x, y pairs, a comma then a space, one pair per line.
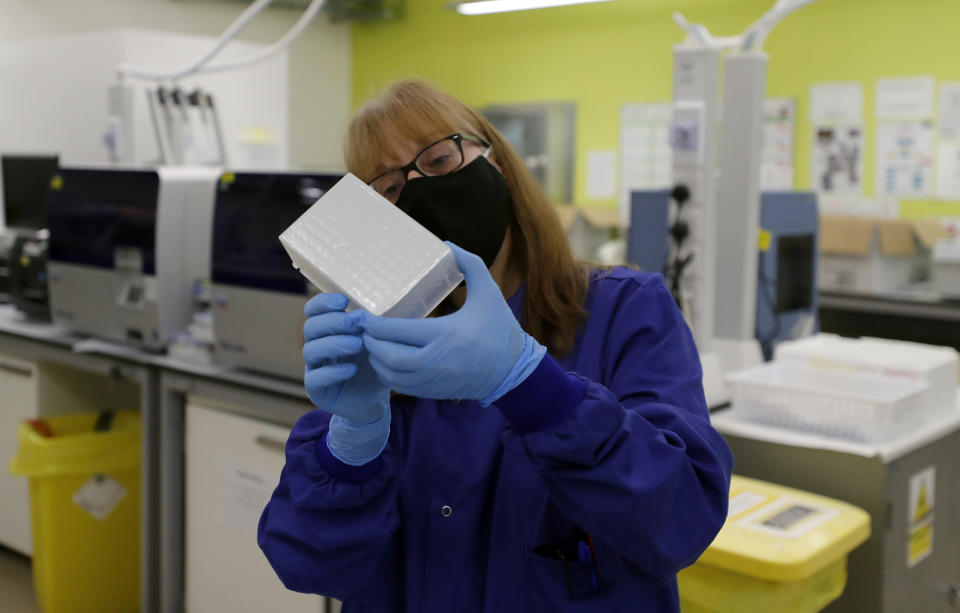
920, 518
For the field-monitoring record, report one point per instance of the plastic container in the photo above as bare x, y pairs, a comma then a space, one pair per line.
780, 550
355, 242
85, 510
938, 366
844, 404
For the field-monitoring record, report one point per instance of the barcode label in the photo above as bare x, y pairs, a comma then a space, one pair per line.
785, 519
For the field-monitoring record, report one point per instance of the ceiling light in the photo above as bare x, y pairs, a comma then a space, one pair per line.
485, 7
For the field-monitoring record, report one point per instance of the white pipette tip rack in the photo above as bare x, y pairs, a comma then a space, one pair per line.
355, 242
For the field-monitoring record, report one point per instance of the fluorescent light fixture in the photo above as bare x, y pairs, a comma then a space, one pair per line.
485, 7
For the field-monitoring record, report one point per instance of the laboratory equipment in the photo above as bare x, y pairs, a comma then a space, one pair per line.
936, 366
177, 134
780, 549
355, 242
786, 289
257, 296
786, 297
907, 485
127, 248
716, 162
28, 275
26, 179
851, 405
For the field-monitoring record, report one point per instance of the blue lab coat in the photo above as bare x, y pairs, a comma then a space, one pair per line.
586, 488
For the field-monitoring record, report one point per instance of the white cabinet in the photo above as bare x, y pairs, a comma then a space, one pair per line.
18, 401
233, 464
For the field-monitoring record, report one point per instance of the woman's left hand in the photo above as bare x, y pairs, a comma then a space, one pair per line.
479, 353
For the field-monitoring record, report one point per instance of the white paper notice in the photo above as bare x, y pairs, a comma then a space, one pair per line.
837, 159
948, 171
776, 158
244, 493
904, 158
646, 159
99, 496
836, 102
601, 174
743, 502
950, 111
907, 98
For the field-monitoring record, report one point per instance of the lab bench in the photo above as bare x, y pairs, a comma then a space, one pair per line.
916, 315
212, 448
213, 442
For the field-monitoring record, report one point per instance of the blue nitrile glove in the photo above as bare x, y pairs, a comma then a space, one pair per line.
339, 379
479, 353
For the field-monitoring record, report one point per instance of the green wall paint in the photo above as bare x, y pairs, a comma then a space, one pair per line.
603, 55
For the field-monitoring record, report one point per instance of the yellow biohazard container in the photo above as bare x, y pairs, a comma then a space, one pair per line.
781, 550
85, 509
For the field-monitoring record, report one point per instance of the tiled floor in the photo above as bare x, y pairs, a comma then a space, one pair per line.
16, 583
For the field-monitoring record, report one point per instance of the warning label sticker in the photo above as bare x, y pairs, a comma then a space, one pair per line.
920, 515
99, 496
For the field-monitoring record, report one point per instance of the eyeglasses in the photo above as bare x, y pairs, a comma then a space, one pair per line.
439, 158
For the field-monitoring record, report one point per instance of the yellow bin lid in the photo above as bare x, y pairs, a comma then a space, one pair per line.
782, 534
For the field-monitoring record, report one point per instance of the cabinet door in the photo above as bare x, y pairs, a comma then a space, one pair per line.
18, 401
233, 464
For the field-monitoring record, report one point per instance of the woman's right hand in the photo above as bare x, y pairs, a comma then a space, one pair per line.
338, 376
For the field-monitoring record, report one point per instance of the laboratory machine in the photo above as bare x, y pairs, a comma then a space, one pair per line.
714, 212
787, 243
25, 180
127, 249
257, 295
785, 304
27, 268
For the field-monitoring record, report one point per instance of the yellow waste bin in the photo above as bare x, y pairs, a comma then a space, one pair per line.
781, 550
85, 509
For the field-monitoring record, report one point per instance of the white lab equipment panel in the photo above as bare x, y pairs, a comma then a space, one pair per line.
232, 465
18, 389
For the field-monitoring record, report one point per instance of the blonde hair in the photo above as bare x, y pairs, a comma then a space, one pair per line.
556, 284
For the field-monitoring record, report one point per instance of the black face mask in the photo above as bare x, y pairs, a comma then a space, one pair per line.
470, 207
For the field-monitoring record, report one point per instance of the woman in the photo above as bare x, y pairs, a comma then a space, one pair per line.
472, 464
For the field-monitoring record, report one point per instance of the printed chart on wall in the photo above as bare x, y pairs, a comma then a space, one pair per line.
920, 518
646, 161
905, 136
836, 114
948, 149
904, 158
776, 160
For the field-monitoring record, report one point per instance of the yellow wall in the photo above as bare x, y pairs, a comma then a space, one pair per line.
606, 54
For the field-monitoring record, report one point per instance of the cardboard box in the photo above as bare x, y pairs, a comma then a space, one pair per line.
946, 268
863, 254
588, 227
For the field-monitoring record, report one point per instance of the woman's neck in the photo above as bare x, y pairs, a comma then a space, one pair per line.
503, 270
